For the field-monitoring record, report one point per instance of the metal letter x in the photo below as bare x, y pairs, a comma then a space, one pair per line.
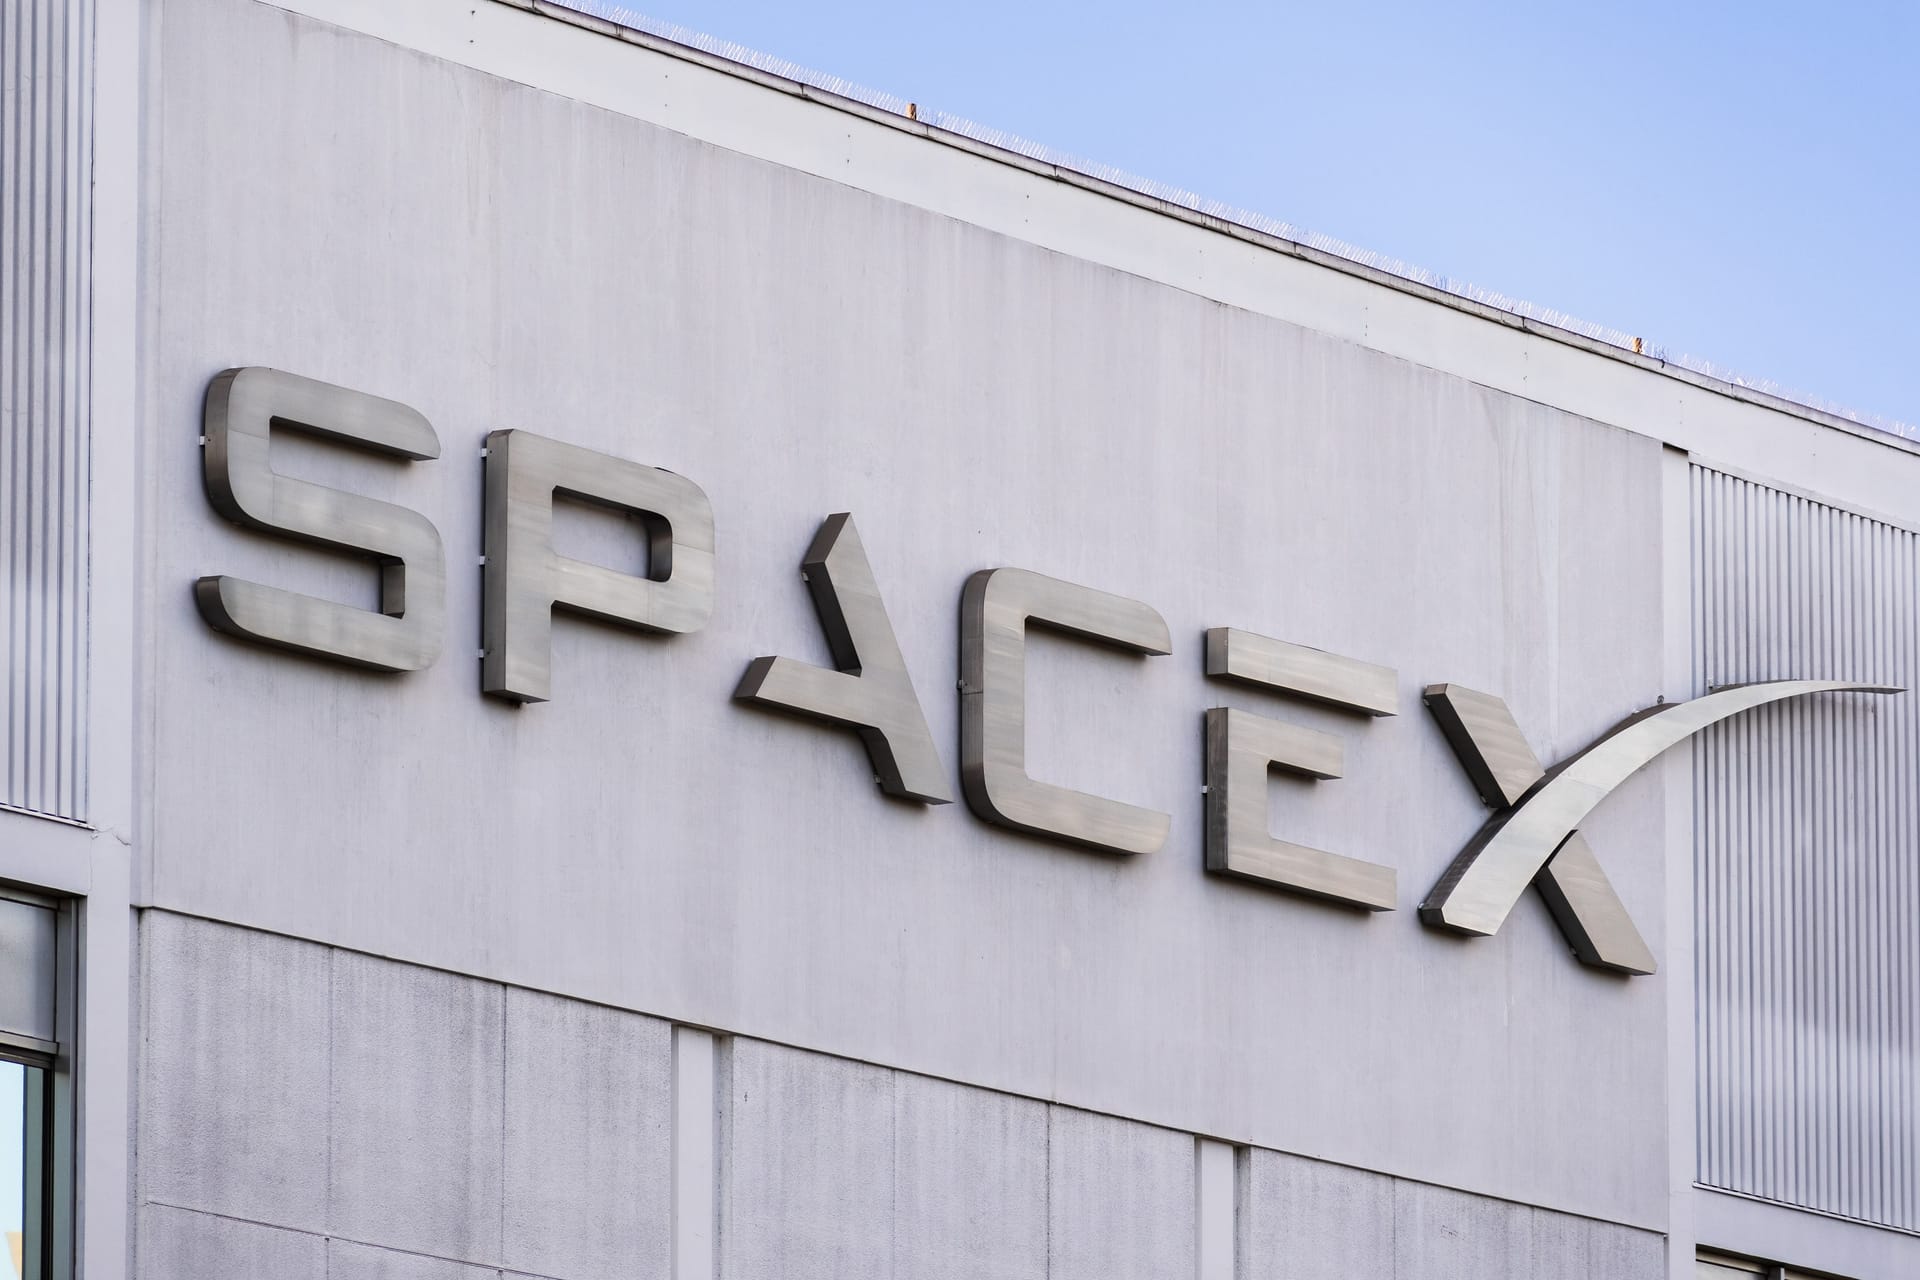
1483, 733
1535, 835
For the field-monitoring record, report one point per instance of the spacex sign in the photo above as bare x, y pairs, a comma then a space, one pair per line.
1532, 837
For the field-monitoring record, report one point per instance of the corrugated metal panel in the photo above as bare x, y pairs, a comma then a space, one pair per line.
1807, 858
45, 101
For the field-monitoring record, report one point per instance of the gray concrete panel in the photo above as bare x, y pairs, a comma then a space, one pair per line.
795, 347
349, 1261
1439, 1234
233, 1083
1613, 1251
970, 1183
179, 1244
1119, 1198
417, 1109
1308, 1220
589, 1141
1561, 1247
806, 1166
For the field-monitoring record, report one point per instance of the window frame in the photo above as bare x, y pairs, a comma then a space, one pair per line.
50, 1075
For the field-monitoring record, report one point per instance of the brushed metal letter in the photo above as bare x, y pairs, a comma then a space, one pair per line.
243, 406
995, 609
871, 692
525, 580
1487, 739
1479, 889
1241, 747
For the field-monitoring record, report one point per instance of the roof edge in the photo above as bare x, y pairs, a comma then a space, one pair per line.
939, 127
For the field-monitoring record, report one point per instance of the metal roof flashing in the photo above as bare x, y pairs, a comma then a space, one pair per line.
615, 21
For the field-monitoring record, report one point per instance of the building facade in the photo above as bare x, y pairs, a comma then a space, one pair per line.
619, 666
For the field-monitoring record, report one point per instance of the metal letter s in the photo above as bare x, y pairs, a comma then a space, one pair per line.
994, 612
871, 692
243, 407
525, 580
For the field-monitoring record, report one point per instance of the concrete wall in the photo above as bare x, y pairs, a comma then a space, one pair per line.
1303, 1220
310, 1112
376, 1108
342, 208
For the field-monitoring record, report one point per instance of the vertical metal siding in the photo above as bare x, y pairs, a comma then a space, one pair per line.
45, 233
1807, 857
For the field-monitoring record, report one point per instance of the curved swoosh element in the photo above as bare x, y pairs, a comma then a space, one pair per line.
1488, 877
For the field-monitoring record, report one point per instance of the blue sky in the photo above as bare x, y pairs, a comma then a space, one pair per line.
1738, 182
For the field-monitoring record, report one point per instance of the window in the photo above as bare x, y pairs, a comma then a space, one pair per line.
1709, 1265
36, 1092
